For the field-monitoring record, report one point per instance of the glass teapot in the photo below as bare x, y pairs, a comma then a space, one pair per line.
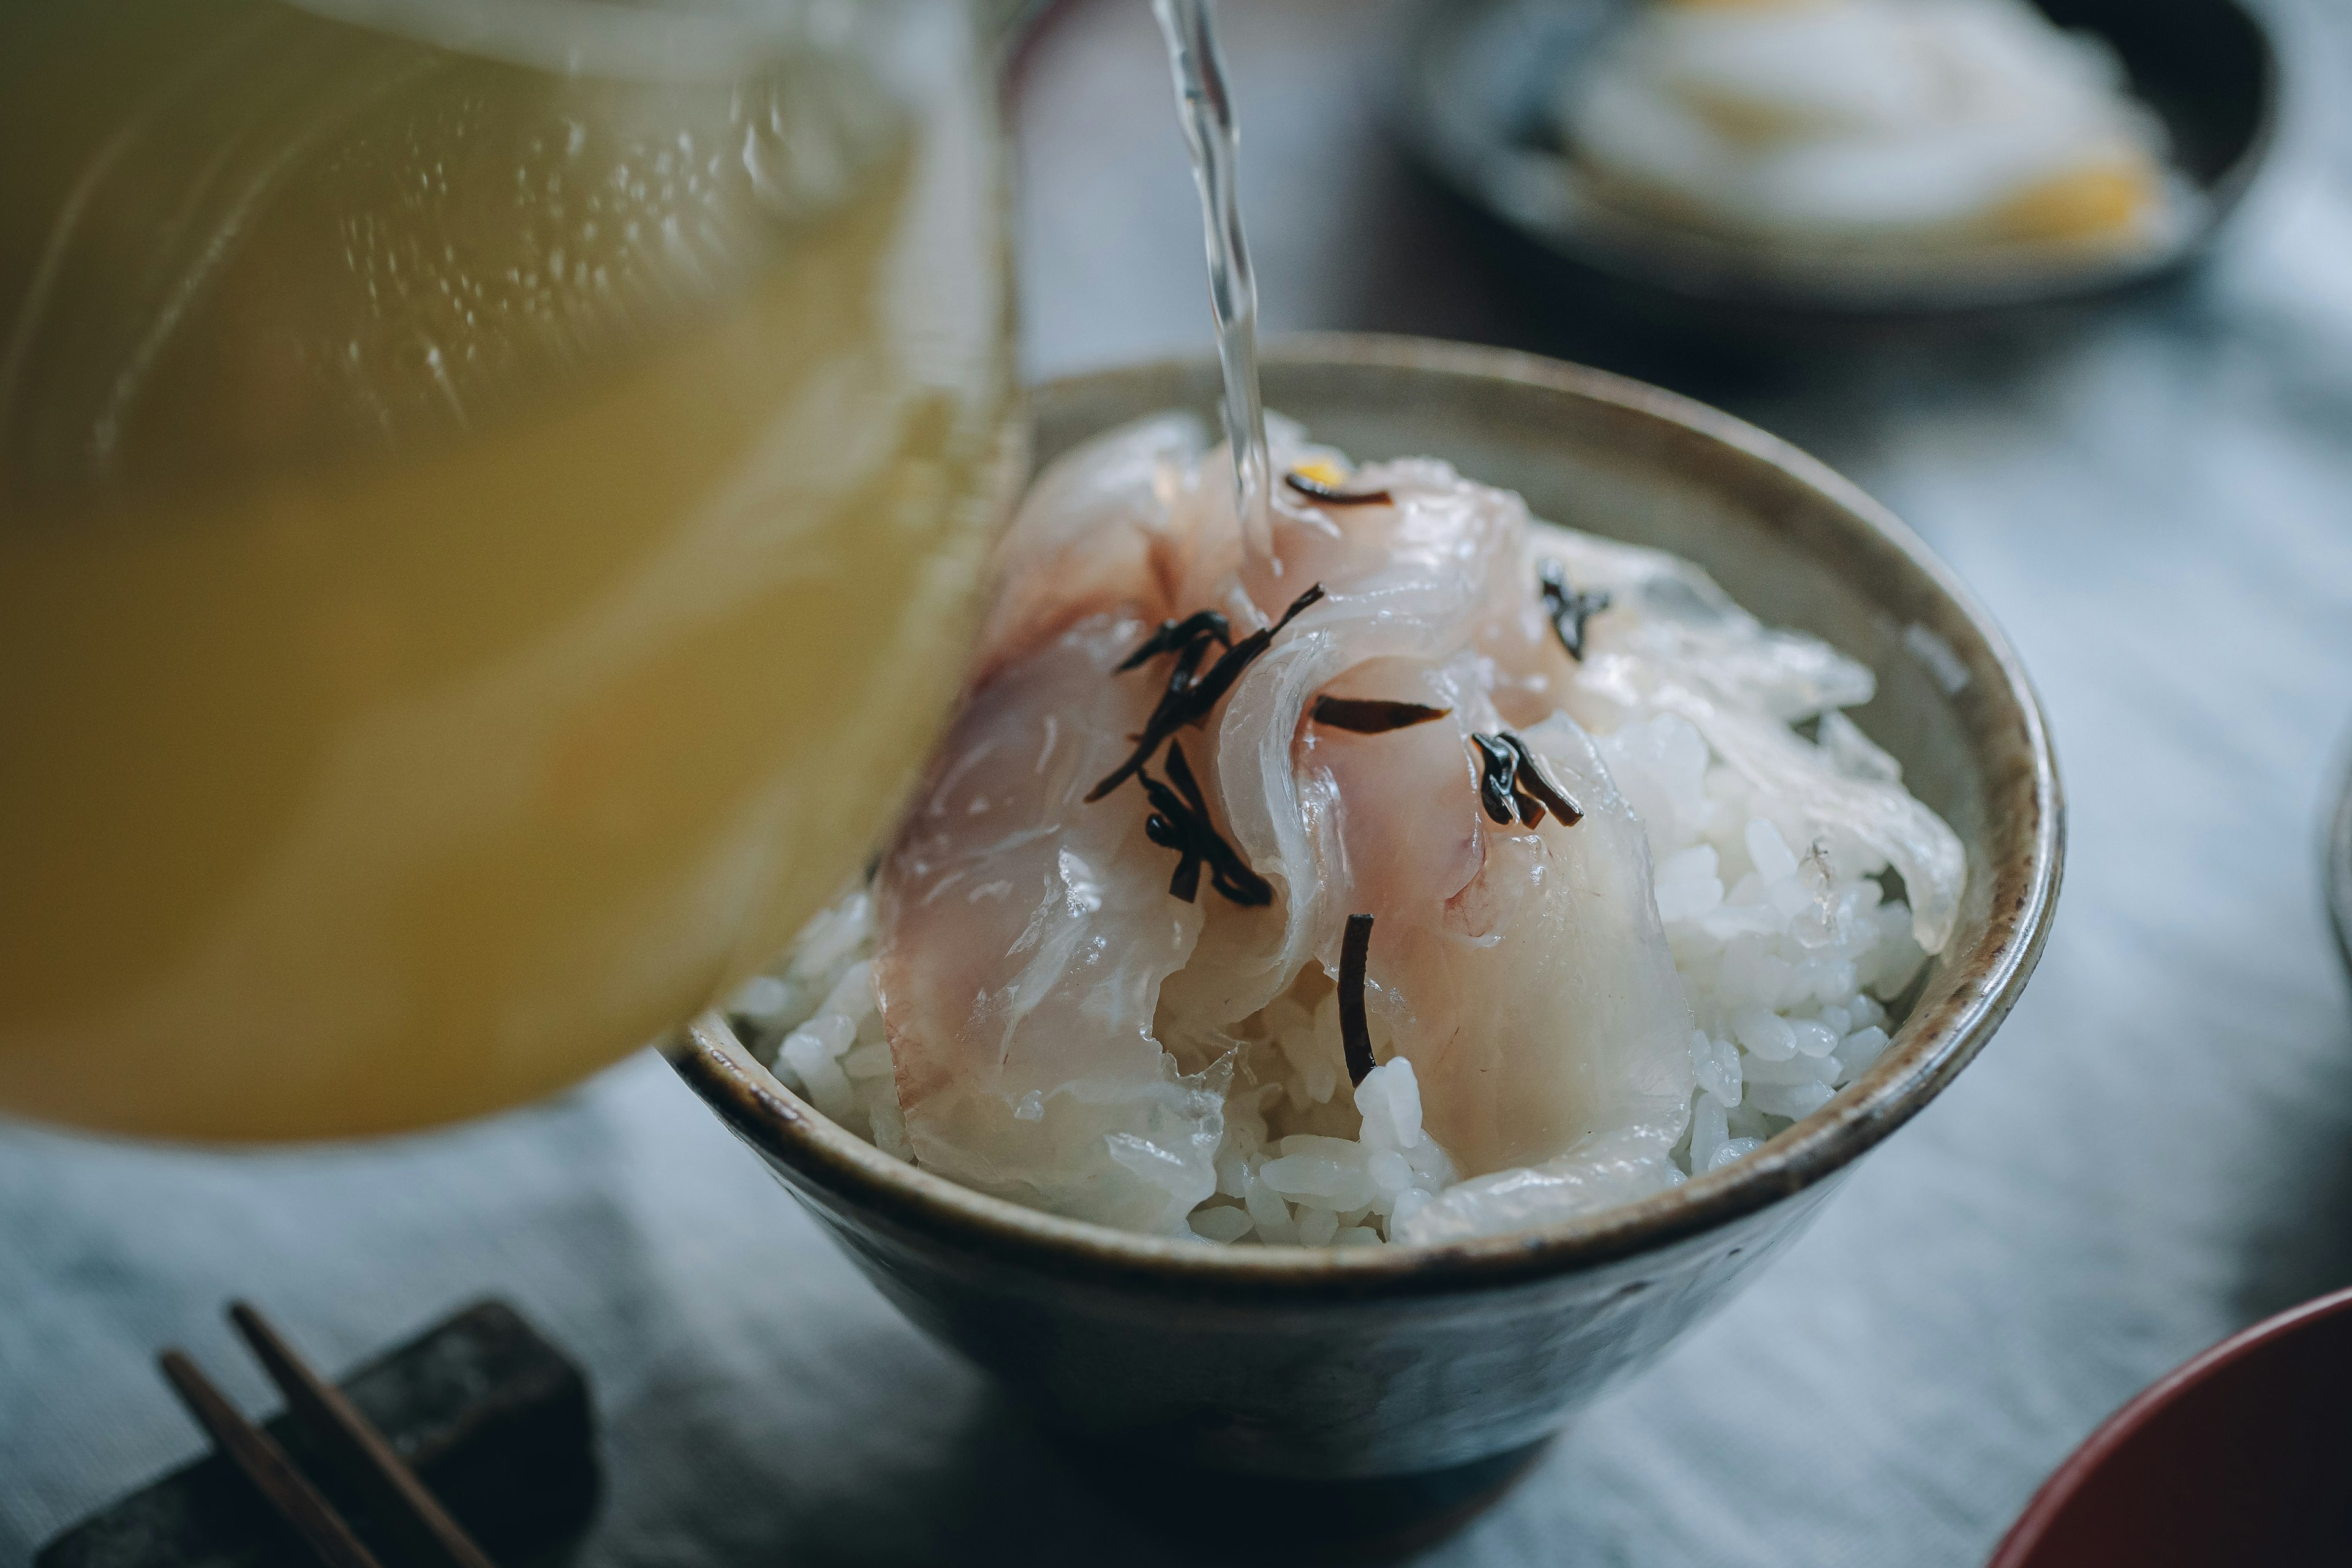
492, 494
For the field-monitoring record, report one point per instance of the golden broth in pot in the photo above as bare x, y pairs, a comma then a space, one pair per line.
491, 497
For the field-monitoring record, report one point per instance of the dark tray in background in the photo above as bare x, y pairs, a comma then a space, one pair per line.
493, 1418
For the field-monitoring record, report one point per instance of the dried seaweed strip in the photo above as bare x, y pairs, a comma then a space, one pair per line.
1355, 1032
1228, 669
1228, 872
1166, 719
1198, 628
1187, 700
1498, 771
1179, 818
1533, 780
1372, 715
1171, 834
1146, 745
1179, 821
1179, 774
1569, 609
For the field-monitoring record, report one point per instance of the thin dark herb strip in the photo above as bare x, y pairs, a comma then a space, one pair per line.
1179, 821
1166, 719
1228, 872
1171, 833
1497, 772
1355, 1034
1197, 630
1179, 818
1372, 715
1533, 780
1186, 699
1316, 491
1228, 669
1568, 609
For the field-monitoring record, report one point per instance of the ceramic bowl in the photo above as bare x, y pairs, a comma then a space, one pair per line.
2241, 1456
1474, 110
1322, 1364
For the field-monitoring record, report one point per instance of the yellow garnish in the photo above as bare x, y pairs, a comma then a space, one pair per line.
1749, 121
2103, 199
1323, 471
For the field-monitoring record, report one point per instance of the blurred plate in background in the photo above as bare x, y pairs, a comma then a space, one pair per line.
1477, 112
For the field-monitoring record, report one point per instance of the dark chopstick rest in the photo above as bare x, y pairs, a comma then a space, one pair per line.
428, 1536
490, 1416
288, 1491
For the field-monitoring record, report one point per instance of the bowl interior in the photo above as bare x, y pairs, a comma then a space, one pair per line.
1788, 539
1476, 109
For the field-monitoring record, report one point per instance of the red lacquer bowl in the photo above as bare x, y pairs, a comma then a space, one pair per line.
2244, 1455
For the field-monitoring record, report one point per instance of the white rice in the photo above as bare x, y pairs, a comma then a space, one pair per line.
1790, 973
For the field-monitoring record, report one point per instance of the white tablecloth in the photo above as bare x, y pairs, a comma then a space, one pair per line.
2157, 1150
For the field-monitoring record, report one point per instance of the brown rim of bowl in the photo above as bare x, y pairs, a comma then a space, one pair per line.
2024, 1538
1930, 1049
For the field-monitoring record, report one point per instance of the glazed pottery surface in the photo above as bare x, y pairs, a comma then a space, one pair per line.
1332, 1363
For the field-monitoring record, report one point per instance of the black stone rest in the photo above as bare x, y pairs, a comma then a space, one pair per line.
494, 1419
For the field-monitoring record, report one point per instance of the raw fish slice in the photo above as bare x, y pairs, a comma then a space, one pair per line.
1112, 525
1128, 520
1025, 935
1672, 612
1426, 580
1690, 651
1523, 970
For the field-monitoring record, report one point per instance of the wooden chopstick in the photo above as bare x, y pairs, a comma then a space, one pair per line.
394, 1496
253, 1451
